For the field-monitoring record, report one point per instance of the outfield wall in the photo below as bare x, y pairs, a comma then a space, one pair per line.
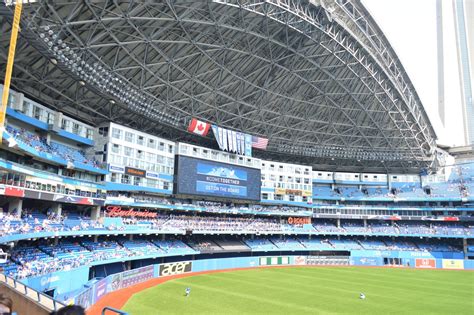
97, 290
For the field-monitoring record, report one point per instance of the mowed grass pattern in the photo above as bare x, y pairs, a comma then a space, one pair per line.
312, 291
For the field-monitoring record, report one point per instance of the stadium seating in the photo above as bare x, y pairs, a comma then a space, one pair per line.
39, 144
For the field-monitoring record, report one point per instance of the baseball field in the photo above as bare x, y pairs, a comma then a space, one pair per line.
300, 290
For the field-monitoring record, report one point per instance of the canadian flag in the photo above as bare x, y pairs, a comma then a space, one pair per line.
199, 127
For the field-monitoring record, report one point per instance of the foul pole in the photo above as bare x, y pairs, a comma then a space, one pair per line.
8, 72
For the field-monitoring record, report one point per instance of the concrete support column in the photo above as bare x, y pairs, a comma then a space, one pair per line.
95, 212
15, 206
57, 209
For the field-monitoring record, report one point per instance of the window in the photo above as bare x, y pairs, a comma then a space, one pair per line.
161, 146
151, 144
116, 133
50, 118
125, 179
139, 154
140, 140
26, 108
75, 128
37, 112
264, 196
150, 157
90, 133
170, 148
114, 177
127, 151
129, 136
116, 148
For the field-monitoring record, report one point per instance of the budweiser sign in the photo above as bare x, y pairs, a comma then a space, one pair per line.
114, 211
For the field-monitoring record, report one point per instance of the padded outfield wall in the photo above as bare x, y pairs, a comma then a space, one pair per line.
74, 280
67, 284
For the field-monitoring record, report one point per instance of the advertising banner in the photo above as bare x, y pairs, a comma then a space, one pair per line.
135, 276
116, 169
114, 282
85, 298
425, 263
176, 268
299, 220
272, 261
14, 192
135, 171
366, 261
299, 260
100, 289
453, 263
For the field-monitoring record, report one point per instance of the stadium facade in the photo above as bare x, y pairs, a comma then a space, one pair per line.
99, 177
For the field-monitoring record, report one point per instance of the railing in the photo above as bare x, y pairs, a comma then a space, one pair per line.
44, 300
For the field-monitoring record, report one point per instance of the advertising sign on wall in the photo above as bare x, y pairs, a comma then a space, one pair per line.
453, 263
135, 171
116, 169
299, 220
100, 289
366, 261
299, 260
425, 263
85, 298
136, 276
271, 261
176, 268
117, 211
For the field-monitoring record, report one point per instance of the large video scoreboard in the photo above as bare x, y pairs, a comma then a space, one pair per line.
209, 178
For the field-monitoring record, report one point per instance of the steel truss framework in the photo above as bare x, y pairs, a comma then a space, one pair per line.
318, 79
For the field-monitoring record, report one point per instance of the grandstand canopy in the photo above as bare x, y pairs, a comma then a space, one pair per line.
318, 77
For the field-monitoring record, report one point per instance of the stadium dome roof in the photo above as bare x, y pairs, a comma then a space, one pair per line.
318, 78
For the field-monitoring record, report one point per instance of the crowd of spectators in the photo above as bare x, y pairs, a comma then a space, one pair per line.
39, 144
395, 228
40, 257
209, 206
46, 258
33, 222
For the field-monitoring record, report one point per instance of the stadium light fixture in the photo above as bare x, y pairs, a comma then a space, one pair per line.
100, 78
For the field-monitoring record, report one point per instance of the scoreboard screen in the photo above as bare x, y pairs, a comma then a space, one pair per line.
209, 178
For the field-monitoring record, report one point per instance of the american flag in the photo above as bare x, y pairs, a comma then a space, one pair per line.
259, 142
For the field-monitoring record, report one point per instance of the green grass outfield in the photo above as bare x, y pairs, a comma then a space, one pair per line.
322, 290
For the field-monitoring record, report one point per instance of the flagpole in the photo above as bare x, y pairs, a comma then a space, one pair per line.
8, 72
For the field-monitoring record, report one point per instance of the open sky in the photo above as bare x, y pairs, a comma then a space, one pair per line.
410, 26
